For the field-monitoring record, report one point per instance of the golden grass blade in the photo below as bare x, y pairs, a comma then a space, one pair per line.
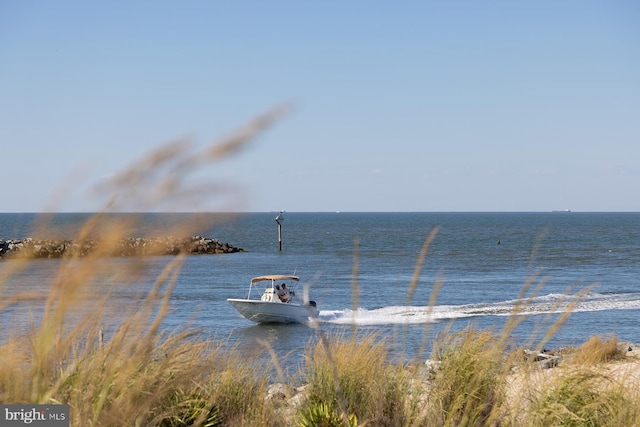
417, 271
355, 290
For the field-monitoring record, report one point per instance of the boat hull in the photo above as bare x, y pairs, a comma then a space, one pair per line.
273, 312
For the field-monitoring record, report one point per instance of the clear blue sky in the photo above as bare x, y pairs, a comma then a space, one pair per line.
397, 106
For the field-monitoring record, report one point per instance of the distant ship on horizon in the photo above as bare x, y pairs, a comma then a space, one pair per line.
562, 210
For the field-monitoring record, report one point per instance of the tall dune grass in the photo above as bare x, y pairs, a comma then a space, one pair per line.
357, 379
130, 372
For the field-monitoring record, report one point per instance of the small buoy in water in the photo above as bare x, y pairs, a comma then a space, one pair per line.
498, 241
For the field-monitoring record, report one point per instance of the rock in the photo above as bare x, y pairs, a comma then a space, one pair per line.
131, 246
544, 360
278, 393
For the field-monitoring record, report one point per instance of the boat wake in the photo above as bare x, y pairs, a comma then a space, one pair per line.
552, 303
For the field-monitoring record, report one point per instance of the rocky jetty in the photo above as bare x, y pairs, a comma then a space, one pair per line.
132, 246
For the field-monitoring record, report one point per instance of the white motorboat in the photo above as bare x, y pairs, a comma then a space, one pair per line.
279, 302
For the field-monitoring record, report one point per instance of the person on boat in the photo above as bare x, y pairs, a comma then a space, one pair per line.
283, 293
287, 293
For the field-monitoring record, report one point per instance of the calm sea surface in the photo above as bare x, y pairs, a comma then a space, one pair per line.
484, 261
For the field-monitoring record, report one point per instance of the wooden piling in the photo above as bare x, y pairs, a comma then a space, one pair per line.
279, 220
279, 236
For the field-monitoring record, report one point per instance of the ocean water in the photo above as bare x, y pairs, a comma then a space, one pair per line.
359, 268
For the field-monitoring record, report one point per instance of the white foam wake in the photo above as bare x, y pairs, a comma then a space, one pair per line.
552, 303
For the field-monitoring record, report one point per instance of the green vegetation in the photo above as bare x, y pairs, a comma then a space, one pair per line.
357, 380
141, 376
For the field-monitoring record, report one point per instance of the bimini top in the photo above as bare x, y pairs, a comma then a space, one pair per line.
272, 278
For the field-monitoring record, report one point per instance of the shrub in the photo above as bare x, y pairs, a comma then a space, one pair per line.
579, 398
596, 350
355, 377
324, 415
469, 386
